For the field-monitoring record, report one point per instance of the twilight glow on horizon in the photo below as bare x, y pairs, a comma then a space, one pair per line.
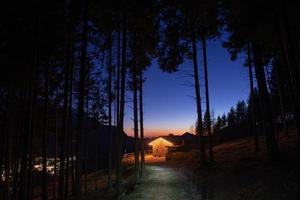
169, 105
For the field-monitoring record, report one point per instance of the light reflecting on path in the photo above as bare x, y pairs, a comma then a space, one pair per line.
163, 183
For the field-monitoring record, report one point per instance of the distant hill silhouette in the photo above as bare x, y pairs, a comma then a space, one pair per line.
96, 136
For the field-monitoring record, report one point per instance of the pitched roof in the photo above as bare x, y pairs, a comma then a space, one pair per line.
188, 138
160, 139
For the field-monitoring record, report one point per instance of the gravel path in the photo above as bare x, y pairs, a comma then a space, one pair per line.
163, 183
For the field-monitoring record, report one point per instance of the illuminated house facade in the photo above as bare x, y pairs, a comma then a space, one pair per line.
160, 147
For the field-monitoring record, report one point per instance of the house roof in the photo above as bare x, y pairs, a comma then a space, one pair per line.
160, 139
188, 138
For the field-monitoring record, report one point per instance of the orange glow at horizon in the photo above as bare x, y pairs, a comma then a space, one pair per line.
155, 132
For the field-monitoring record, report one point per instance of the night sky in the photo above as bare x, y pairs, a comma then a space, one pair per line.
169, 105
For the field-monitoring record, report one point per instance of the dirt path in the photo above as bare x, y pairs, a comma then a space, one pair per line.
163, 183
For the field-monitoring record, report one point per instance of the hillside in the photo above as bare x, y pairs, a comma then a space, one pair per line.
240, 173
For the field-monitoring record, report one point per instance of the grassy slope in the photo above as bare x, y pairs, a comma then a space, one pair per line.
240, 173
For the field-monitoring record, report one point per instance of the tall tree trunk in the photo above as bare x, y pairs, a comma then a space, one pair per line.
6, 187
253, 121
23, 150
83, 70
44, 137
265, 103
29, 116
17, 165
281, 101
71, 132
31, 155
142, 122
118, 68
63, 146
2, 152
289, 46
199, 127
135, 119
122, 106
85, 146
288, 55
211, 154
56, 145
110, 68
33, 127
69, 149
63, 133
97, 165
5, 147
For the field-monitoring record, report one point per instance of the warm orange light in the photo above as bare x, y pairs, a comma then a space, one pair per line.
161, 140
160, 147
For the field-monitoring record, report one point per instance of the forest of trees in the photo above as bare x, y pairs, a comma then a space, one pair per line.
63, 62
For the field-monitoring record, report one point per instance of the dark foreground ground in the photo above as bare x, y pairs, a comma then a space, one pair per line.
239, 173
163, 183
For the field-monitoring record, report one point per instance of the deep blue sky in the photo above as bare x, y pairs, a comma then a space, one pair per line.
169, 105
